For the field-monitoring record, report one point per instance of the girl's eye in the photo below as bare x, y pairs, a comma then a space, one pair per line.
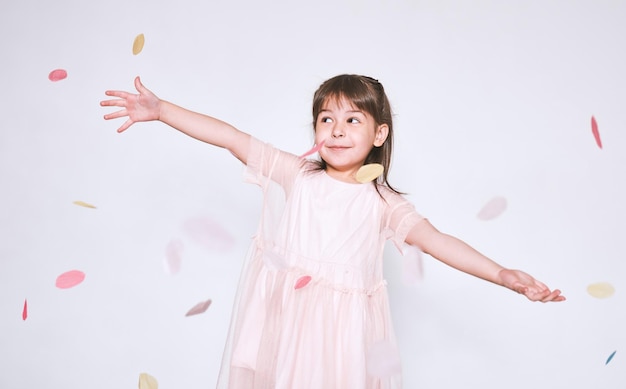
353, 121
325, 120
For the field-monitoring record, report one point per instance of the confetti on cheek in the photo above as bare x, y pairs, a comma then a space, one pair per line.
601, 290
199, 308
314, 150
57, 75
369, 172
302, 282
146, 381
84, 204
173, 256
70, 279
595, 131
25, 310
383, 360
138, 44
208, 234
494, 208
610, 357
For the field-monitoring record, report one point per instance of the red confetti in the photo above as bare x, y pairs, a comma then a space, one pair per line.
173, 256
302, 282
493, 208
25, 310
70, 279
199, 308
208, 233
596, 133
57, 75
314, 150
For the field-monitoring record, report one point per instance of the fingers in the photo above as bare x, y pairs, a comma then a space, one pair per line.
116, 114
125, 126
544, 295
139, 86
554, 297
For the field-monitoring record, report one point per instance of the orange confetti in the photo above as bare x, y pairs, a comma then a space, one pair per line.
595, 131
601, 290
369, 172
138, 44
146, 381
84, 204
57, 75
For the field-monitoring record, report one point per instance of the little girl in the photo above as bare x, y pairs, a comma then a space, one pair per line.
312, 307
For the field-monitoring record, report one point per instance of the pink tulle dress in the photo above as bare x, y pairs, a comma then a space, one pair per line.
312, 308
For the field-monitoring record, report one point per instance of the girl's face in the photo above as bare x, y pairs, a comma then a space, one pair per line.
348, 135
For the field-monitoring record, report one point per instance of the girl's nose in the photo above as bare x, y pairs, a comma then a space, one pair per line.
338, 131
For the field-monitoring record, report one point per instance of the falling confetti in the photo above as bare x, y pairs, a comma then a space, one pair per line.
84, 204
70, 279
314, 150
369, 172
146, 381
25, 310
493, 208
594, 130
57, 75
199, 308
302, 282
208, 233
383, 360
610, 357
601, 290
138, 44
173, 256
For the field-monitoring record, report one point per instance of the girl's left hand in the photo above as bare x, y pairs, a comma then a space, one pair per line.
528, 286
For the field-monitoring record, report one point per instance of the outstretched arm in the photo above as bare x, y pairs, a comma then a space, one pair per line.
458, 254
146, 106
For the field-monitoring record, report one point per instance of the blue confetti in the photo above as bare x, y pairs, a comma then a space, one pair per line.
610, 357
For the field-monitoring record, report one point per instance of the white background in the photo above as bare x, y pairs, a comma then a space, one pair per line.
492, 98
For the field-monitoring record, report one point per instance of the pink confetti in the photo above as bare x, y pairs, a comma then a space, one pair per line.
25, 310
494, 208
199, 308
208, 233
173, 256
314, 150
383, 360
302, 282
57, 75
596, 133
70, 279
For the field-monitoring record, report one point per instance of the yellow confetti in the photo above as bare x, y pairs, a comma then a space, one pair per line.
146, 381
84, 204
369, 172
601, 290
138, 44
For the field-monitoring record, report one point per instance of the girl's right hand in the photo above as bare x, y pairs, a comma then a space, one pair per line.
141, 107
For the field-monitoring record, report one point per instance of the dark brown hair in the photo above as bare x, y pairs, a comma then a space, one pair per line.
368, 95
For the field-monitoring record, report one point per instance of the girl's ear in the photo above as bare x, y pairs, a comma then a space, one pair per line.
381, 135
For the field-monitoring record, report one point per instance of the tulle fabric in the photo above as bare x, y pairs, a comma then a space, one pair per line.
312, 308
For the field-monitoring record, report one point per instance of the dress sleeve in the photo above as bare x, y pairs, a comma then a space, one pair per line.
265, 163
399, 218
